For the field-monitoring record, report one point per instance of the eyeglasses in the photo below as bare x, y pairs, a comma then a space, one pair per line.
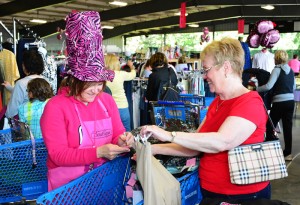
205, 70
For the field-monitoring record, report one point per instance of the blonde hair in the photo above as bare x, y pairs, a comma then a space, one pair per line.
281, 57
227, 49
112, 62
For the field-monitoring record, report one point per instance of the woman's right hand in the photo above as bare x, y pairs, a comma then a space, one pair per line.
156, 132
110, 151
7, 85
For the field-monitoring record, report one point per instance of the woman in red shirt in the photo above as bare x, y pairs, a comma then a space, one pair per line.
236, 116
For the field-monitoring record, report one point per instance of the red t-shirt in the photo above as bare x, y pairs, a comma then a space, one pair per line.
213, 169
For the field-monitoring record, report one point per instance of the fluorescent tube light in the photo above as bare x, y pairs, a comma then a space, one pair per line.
38, 21
107, 27
193, 25
268, 7
178, 14
118, 3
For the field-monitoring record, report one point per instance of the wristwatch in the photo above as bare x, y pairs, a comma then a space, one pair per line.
173, 135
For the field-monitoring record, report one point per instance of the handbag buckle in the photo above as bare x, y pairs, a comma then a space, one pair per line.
256, 147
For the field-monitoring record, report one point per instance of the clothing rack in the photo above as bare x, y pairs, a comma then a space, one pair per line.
29, 32
6, 29
37, 43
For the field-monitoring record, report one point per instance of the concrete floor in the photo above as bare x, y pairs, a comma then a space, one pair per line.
288, 189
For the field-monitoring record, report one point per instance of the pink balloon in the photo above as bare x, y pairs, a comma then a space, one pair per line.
253, 40
202, 38
205, 31
263, 26
59, 36
270, 38
207, 38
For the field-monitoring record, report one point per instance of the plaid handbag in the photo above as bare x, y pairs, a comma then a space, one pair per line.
254, 163
258, 162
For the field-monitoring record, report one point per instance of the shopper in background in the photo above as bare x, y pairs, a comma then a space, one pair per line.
39, 92
264, 59
295, 64
146, 69
81, 126
181, 65
248, 61
33, 67
235, 117
245, 46
117, 86
161, 73
282, 83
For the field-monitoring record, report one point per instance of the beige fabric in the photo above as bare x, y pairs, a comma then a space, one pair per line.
11, 72
159, 186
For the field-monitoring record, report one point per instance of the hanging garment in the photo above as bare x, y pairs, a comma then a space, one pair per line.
10, 70
94, 133
50, 69
159, 186
136, 98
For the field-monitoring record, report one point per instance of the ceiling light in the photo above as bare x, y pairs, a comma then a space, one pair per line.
193, 25
38, 21
178, 14
268, 7
107, 27
118, 3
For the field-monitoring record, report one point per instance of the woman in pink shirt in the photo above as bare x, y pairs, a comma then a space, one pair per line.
81, 126
294, 64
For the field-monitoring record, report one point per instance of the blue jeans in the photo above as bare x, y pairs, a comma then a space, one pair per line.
125, 117
262, 194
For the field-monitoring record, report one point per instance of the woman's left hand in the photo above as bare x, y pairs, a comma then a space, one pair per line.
126, 139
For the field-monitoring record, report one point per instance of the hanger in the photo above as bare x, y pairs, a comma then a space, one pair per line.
143, 139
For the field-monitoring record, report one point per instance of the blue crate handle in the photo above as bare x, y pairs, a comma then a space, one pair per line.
161, 102
191, 95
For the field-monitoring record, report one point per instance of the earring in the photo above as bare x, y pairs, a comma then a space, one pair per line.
225, 75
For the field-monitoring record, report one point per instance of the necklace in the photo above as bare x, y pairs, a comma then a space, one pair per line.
219, 104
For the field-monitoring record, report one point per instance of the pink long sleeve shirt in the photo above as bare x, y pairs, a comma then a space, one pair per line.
60, 128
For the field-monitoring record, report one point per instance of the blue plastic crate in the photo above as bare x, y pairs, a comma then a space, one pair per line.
193, 98
202, 114
5, 136
190, 188
168, 114
19, 180
208, 100
103, 185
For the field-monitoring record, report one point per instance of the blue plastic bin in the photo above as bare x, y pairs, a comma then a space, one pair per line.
190, 188
19, 180
193, 98
103, 185
208, 100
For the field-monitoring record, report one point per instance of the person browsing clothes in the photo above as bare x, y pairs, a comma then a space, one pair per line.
236, 116
33, 67
81, 126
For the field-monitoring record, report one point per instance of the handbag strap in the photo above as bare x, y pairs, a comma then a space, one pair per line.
170, 81
270, 120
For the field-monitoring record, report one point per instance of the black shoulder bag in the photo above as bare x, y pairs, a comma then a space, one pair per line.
168, 92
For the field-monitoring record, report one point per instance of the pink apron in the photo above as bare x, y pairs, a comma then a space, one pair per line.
94, 134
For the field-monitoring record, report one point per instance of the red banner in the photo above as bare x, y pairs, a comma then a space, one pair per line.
182, 20
241, 23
